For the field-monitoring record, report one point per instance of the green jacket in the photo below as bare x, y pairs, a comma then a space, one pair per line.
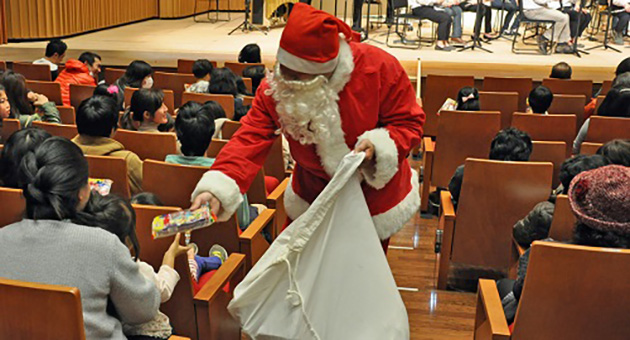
47, 113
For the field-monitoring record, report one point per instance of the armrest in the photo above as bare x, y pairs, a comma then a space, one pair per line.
175, 337
277, 193
516, 253
288, 173
252, 242
447, 225
429, 144
446, 205
428, 150
490, 320
234, 265
260, 223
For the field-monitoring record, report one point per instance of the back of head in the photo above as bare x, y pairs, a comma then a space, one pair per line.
97, 116
110, 91
146, 198
256, 73
113, 214
15, 87
194, 129
561, 70
145, 100
52, 177
468, 99
135, 73
622, 80
511, 144
202, 68
623, 67
222, 81
616, 103
617, 151
571, 167
89, 58
540, 99
213, 110
19, 144
56, 46
250, 54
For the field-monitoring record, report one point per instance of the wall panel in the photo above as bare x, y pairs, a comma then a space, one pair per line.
182, 8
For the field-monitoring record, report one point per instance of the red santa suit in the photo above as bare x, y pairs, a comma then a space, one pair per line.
374, 101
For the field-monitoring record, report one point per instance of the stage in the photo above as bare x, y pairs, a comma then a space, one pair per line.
162, 42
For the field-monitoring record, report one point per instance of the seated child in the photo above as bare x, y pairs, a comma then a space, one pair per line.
5, 105
19, 144
539, 100
257, 73
201, 69
467, 100
561, 70
146, 111
215, 110
617, 151
250, 54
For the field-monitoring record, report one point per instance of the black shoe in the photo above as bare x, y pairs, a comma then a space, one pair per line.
445, 48
564, 48
543, 44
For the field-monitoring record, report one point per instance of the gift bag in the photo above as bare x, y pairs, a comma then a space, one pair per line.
326, 276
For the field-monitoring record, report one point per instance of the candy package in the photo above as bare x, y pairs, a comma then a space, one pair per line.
181, 221
102, 186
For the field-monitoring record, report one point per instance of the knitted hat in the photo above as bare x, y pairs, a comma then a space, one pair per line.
310, 40
600, 198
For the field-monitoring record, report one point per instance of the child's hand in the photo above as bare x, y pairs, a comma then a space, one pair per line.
173, 251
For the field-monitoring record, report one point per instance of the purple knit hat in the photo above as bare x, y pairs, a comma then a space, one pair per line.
600, 198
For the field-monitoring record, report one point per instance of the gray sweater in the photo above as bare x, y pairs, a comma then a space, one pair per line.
91, 259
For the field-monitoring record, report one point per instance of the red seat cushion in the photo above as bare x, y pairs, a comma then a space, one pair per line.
204, 279
271, 183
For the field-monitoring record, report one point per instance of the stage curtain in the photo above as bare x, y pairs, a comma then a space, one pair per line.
39, 19
3, 23
183, 8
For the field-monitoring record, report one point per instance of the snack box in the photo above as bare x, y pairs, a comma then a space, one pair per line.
102, 186
182, 221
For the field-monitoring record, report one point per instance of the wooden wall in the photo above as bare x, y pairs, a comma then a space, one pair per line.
182, 8
3, 23
40, 19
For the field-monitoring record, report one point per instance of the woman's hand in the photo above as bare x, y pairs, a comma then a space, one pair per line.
37, 99
173, 251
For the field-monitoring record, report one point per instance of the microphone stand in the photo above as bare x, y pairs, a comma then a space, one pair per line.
247, 26
605, 44
476, 42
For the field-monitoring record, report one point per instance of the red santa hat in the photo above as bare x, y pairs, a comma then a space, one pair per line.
310, 41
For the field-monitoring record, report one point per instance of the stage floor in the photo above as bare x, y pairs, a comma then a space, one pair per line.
162, 42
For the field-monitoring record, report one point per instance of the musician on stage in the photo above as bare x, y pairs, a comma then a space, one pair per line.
357, 13
328, 95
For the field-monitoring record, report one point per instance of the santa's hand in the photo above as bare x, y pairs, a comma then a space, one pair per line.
367, 147
206, 197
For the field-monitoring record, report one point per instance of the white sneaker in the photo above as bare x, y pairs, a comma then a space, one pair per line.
218, 251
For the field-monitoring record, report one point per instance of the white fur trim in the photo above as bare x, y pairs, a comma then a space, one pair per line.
386, 157
305, 66
389, 222
224, 189
294, 204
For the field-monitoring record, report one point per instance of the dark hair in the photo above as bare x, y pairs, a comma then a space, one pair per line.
623, 67
622, 80
250, 54
213, 109
51, 178
511, 144
145, 100
168, 126
222, 81
201, 68
103, 90
97, 116
561, 70
587, 236
89, 58
194, 129
469, 104
571, 167
540, 99
616, 103
19, 143
135, 73
113, 214
56, 46
146, 198
617, 151
256, 73
15, 87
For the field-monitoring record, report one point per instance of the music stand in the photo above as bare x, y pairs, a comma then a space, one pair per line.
476, 42
247, 26
605, 44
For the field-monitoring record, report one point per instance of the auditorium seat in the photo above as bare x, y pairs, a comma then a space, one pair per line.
3, 66
113, 168
598, 103
435, 91
49, 89
248, 84
570, 86
522, 86
229, 128
494, 196
604, 129
504, 102
248, 100
79, 93
550, 151
225, 100
547, 127
32, 71
158, 178
185, 66
169, 99
112, 74
558, 300
13, 206
460, 135
238, 68
9, 126
589, 148
67, 115
174, 82
569, 104
606, 86
563, 221
148, 145
62, 130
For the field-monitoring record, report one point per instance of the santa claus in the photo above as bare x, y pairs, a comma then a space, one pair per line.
327, 95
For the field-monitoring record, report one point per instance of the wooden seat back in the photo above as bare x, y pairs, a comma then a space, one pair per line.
169, 99
67, 115
49, 89
570, 86
9, 126
174, 82
3, 66
229, 128
606, 86
547, 127
589, 148
238, 68
249, 85
504, 102
148, 145
32, 71
225, 100
548, 151
436, 90
13, 206
158, 178
560, 302
462, 135
79, 93
604, 129
569, 104
40, 311
113, 168
185, 66
112, 74
598, 103
494, 196
522, 86
68, 131
563, 220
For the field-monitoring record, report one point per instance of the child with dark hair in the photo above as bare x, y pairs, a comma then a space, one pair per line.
25, 105
617, 151
539, 100
468, 99
54, 55
5, 105
256, 74
250, 54
19, 144
216, 112
146, 112
138, 75
110, 91
55, 187
510, 144
201, 69
146, 198
224, 81
561, 70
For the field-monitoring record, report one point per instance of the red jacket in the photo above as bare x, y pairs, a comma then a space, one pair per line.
377, 102
75, 73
